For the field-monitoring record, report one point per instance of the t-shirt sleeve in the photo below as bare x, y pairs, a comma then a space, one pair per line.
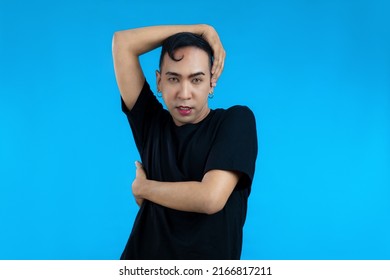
141, 116
235, 146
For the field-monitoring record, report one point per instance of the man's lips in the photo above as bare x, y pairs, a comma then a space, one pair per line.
184, 107
184, 110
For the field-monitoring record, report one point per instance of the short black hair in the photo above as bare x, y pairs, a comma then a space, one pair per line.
185, 39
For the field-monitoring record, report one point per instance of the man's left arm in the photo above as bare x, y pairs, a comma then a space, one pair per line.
208, 196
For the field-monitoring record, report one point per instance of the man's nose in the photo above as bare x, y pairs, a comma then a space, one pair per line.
185, 91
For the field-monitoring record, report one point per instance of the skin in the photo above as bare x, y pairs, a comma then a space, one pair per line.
208, 196
180, 87
129, 45
186, 83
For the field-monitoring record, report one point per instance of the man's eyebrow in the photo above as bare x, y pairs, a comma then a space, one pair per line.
172, 74
190, 76
196, 74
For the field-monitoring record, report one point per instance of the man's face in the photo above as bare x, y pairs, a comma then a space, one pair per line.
185, 85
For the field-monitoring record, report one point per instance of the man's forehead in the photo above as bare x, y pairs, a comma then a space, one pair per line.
190, 49
188, 60
186, 52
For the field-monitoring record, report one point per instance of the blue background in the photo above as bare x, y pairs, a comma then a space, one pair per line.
315, 73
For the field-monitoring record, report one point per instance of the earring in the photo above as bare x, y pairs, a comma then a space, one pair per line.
211, 95
159, 94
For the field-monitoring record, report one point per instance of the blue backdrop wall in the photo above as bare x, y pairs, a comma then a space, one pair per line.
315, 73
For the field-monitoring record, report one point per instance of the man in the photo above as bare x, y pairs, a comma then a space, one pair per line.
197, 163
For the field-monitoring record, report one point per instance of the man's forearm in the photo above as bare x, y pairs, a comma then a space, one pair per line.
184, 196
141, 40
208, 196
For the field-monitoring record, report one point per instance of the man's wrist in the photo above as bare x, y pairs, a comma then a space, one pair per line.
147, 189
203, 28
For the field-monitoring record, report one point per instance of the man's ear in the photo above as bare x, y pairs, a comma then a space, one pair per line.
158, 80
212, 85
211, 89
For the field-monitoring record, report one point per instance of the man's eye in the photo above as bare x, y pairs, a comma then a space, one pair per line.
173, 79
196, 80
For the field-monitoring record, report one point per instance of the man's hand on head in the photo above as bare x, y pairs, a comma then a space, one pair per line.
211, 36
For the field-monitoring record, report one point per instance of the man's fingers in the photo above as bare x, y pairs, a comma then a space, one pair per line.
139, 201
218, 66
139, 172
219, 53
215, 62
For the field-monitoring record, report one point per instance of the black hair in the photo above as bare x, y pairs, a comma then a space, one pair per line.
185, 39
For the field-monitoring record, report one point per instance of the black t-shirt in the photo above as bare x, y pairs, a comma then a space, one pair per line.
225, 140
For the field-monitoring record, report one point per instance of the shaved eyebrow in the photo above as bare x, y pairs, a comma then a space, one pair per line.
190, 76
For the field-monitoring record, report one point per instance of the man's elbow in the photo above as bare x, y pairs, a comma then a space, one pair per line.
116, 41
214, 205
218, 186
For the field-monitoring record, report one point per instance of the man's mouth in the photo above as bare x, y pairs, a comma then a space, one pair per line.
184, 110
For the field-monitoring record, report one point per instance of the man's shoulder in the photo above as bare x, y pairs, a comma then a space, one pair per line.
236, 111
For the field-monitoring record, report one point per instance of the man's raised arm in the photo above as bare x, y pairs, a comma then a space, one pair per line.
128, 45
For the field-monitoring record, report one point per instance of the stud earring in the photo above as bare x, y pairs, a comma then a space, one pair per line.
159, 94
211, 95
